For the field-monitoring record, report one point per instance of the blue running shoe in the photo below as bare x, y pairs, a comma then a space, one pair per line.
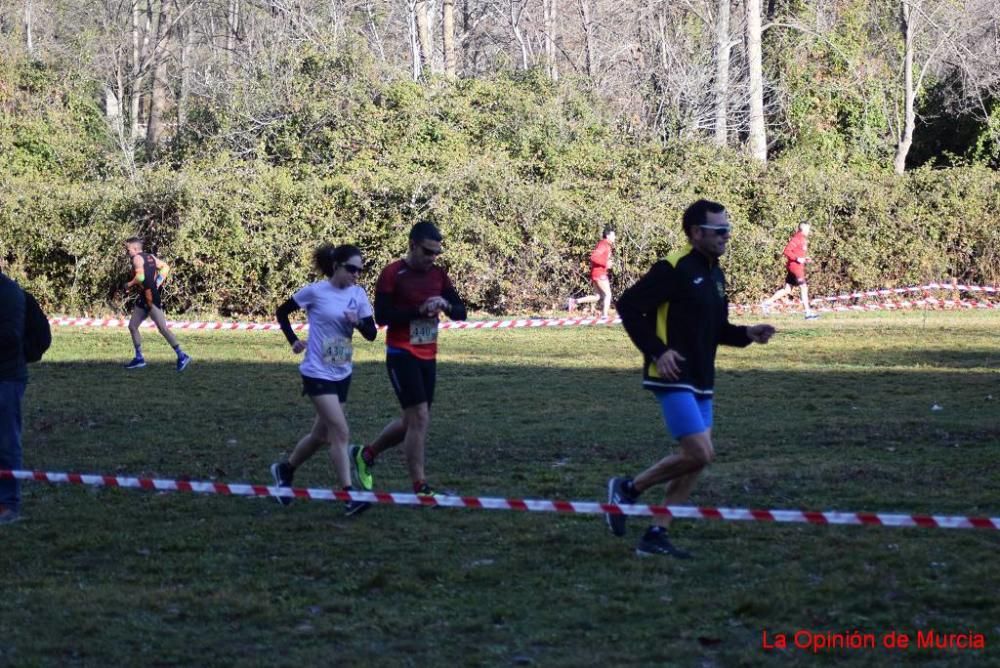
182, 362
136, 363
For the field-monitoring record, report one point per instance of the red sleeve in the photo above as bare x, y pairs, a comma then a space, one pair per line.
793, 249
599, 257
387, 279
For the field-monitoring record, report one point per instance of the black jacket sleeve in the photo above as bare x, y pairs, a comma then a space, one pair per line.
733, 335
456, 309
290, 306
387, 314
638, 304
368, 328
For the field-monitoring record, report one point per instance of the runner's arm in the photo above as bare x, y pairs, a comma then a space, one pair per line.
645, 296
368, 328
456, 307
162, 271
139, 273
793, 251
734, 335
387, 314
290, 306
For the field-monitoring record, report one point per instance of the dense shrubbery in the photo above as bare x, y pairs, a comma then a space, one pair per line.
520, 174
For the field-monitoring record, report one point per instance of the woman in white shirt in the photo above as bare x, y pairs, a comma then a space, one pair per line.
335, 307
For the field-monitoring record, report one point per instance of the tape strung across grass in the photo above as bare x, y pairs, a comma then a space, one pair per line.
927, 302
529, 505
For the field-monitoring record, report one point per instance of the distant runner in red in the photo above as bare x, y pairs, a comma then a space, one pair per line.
796, 257
410, 296
600, 262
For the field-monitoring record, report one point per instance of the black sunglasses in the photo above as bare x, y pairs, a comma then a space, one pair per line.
722, 231
352, 268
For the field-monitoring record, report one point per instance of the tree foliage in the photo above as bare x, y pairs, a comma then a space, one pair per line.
520, 172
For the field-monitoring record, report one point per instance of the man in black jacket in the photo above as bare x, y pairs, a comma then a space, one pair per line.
677, 315
13, 380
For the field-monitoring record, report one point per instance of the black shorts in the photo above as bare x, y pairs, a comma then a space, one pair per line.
147, 299
315, 387
412, 378
792, 279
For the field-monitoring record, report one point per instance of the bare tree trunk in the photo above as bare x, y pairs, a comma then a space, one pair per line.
722, 46
182, 101
758, 134
588, 37
29, 20
515, 24
158, 98
448, 38
136, 78
909, 90
424, 33
414, 44
549, 10
232, 29
373, 27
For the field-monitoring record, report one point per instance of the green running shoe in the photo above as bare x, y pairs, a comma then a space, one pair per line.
361, 469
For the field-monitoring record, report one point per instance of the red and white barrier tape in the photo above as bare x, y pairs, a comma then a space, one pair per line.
529, 505
929, 302
298, 327
903, 305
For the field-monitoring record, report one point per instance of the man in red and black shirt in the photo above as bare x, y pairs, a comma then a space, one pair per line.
410, 295
796, 254
600, 263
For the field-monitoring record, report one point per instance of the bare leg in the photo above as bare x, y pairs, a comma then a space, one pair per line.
680, 471
603, 286
780, 294
804, 293
161, 324
330, 411
308, 444
417, 420
391, 436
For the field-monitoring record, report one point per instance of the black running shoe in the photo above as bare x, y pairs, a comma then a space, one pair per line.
617, 496
427, 492
354, 507
282, 472
655, 543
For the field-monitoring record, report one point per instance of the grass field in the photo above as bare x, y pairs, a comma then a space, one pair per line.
833, 415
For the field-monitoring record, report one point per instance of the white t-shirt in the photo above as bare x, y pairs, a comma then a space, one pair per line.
328, 348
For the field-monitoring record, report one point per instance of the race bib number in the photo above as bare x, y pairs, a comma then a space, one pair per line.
337, 350
423, 331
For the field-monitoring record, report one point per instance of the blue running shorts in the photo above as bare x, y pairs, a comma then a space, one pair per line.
685, 413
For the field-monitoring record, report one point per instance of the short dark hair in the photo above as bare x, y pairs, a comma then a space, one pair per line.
607, 230
697, 214
425, 230
327, 257
134, 240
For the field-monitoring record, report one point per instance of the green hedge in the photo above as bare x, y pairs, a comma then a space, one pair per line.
239, 235
520, 173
